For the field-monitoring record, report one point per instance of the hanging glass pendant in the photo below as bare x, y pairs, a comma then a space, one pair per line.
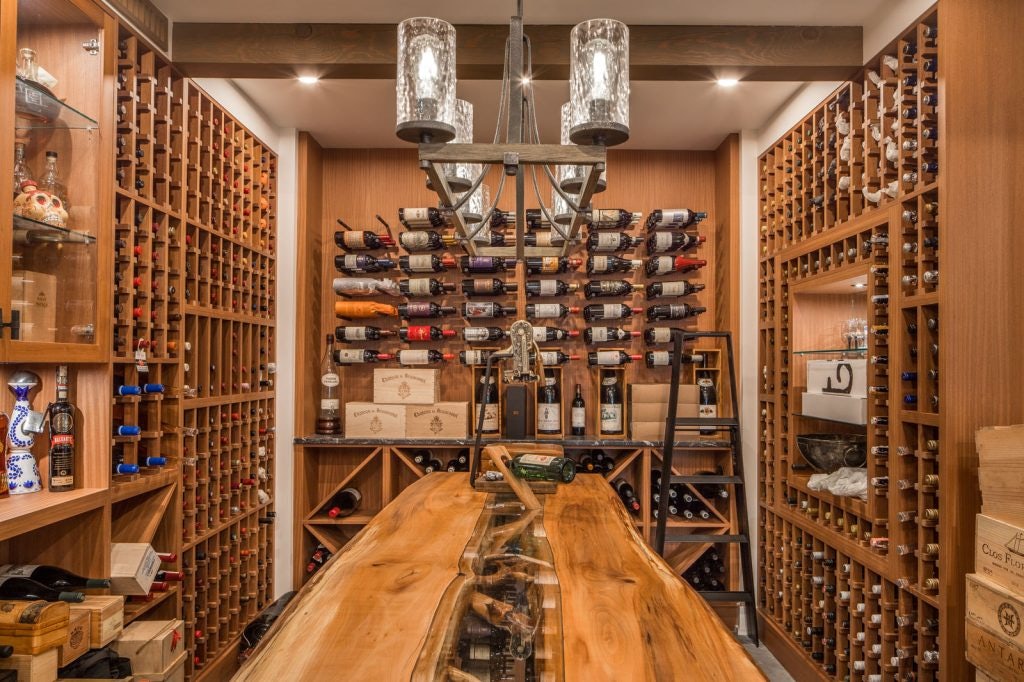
571, 178
561, 212
425, 83
474, 209
599, 82
460, 175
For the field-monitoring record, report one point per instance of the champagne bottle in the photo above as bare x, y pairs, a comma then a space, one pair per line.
609, 311
360, 264
663, 265
663, 358
611, 404
487, 402
604, 334
423, 357
707, 403
665, 289
549, 287
54, 577
25, 589
328, 420
627, 495
344, 503
610, 287
611, 357
346, 334
62, 436
355, 310
540, 311
483, 333
424, 240
668, 242
424, 286
428, 262
673, 218
346, 356
536, 265
680, 311
542, 334
611, 242
417, 218
603, 265
431, 309
424, 333
485, 264
478, 309
487, 287
549, 405
578, 416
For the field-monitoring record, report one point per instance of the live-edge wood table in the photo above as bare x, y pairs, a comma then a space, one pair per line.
625, 616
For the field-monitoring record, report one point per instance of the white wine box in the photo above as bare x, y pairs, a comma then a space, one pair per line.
405, 386
838, 407
370, 420
440, 420
133, 567
152, 645
1001, 472
33, 668
838, 377
106, 617
994, 655
999, 553
995, 608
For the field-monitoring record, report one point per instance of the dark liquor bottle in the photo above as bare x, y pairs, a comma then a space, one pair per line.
611, 357
542, 311
485, 264
549, 287
344, 503
424, 240
483, 333
328, 420
54, 577
611, 404
578, 413
610, 218
603, 265
627, 495
487, 287
707, 403
536, 265
609, 311
611, 242
360, 264
605, 334
361, 240
667, 242
62, 436
610, 287
345, 334
478, 309
549, 405
418, 218
346, 356
423, 357
679, 311
663, 265
431, 309
555, 357
487, 403
666, 289
25, 589
424, 286
424, 333
542, 334
673, 218
663, 358
426, 262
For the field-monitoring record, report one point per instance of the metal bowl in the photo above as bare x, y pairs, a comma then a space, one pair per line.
827, 452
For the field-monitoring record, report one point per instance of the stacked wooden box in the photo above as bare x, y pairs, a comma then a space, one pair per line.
995, 592
407, 404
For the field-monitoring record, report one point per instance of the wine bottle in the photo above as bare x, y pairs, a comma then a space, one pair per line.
663, 358
431, 309
346, 334
610, 287
555, 357
361, 240
53, 577
604, 334
540, 311
665, 289
610, 218
328, 419
627, 495
344, 503
487, 403
423, 357
668, 242
654, 335
427, 262
611, 242
25, 589
544, 468
611, 357
483, 333
354, 310
62, 436
345, 356
679, 311
424, 286
360, 264
549, 287
603, 265
547, 238
536, 265
707, 402
485, 264
542, 334
424, 240
611, 404
673, 218
317, 559
663, 265
477, 309
549, 405
609, 311
416, 218
578, 414
474, 357
487, 287
424, 333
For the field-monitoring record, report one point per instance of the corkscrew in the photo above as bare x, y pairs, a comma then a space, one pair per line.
521, 334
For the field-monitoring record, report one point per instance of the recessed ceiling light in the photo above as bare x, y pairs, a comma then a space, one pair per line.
859, 285
308, 80
728, 82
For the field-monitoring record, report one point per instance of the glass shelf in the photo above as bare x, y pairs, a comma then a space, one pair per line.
831, 351
28, 231
37, 108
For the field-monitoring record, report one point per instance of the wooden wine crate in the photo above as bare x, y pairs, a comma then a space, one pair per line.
32, 627
38, 668
79, 638
981, 676
106, 617
440, 420
372, 420
995, 608
133, 567
175, 672
406, 386
999, 553
1000, 472
153, 646
996, 656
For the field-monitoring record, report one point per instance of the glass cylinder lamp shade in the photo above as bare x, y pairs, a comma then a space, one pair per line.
561, 213
459, 175
571, 178
599, 82
474, 209
425, 82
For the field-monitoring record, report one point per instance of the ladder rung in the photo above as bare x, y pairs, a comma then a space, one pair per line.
689, 537
731, 480
727, 596
708, 423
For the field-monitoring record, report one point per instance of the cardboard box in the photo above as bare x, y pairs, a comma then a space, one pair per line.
370, 420
152, 645
994, 655
38, 668
34, 295
843, 377
999, 553
106, 618
133, 567
658, 393
79, 639
656, 412
440, 420
839, 407
405, 386
655, 431
995, 608
174, 673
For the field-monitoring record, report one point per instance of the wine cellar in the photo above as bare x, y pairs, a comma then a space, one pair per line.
312, 373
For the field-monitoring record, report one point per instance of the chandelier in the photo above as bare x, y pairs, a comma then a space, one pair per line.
595, 117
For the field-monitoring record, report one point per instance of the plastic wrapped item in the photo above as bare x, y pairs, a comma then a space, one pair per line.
365, 286
844, 482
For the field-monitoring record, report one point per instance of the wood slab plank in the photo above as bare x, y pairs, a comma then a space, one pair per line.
625, 614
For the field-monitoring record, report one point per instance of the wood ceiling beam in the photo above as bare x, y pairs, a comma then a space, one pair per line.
657, 53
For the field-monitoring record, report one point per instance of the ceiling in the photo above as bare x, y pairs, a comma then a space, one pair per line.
664, 115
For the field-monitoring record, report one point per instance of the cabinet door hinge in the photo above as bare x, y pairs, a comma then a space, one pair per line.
14, 324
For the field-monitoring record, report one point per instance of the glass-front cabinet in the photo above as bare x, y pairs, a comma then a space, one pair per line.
56, 213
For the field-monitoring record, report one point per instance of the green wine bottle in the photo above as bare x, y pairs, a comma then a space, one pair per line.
544, 468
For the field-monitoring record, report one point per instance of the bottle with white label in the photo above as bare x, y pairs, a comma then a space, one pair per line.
483, 333
549, 287
423, 357
579, 413
427, 262
424, 286
346, 356
544, 311
611, 404
605, 334
555, 357
611, 242
611, 357
673, 218
663, 358
708, 402
346, 334
542, 334
667, 242
663, 265
424, 240
653, 335
353, 265
471, 309
665, 289
673, 312
487, 403
419, 218
609, 311
610, 287
549, 405
487, 287
472, 358
602, 265
328, 421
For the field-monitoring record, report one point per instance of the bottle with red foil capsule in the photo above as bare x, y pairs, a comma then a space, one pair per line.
424, 332
667, 242
431, 309
549, 287
425, 240
423, 357
611, 357
428, 262
317, 559
549, 265
361, 240
663, 265
546, 311
605, 334
346, 356
344, 503
555, 357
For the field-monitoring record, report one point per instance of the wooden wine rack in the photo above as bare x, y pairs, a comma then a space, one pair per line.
194, 288
848, 587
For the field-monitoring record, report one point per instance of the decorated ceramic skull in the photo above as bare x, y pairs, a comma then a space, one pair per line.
39, 205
